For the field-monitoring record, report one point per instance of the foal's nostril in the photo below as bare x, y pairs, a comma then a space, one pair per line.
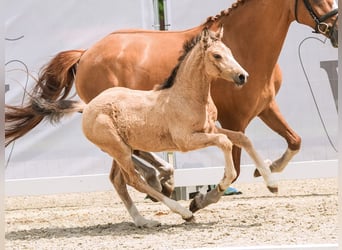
242, 78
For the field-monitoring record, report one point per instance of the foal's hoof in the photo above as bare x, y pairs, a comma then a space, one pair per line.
273, 190
144, 223
195, 203
191, 219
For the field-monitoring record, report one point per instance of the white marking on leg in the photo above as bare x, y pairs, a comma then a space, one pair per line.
139, 220
279, 164
177, 208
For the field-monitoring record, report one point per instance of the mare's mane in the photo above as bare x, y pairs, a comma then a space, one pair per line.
187, 47
212, 19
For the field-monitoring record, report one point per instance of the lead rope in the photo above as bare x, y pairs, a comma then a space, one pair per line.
311, 90
22, 103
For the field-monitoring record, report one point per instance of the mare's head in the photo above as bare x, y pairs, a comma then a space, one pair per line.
322, 15
218, 58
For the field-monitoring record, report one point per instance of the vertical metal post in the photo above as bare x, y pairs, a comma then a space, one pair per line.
166, 16
160, 18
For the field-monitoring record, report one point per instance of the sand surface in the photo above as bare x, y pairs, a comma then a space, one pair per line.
304, 212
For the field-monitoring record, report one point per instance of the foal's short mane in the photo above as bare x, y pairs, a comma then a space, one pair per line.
212, 19
187, 47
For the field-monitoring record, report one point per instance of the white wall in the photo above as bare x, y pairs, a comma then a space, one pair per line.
38, 29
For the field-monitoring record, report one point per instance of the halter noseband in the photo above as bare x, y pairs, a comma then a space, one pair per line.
321, 26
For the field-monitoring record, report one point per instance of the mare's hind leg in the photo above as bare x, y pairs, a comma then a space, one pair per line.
148, 172
120, 186
166, 171
272, 117
241, 140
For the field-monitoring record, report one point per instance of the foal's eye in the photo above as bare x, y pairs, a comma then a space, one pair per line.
217, 56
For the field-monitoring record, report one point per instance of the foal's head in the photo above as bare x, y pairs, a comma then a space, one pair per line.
218, 59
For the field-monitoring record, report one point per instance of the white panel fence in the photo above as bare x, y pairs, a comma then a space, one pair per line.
183, 178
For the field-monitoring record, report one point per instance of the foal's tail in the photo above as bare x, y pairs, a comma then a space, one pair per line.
54, 83
54, 111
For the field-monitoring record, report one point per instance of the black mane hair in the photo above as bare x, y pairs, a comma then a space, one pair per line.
187, 47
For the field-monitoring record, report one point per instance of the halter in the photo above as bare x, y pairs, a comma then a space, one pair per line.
321, 26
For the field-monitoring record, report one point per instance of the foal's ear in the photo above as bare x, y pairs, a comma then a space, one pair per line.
219, 32
205, 38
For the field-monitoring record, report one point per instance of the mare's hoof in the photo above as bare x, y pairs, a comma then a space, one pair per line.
151, 198
195, 203
167, 190
273, 190
256, 173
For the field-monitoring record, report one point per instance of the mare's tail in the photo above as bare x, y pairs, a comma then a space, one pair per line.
54, 83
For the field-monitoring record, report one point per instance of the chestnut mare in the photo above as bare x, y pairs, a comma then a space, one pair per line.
179, 115
255, 31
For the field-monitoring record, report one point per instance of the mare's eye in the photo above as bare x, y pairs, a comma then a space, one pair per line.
217, 56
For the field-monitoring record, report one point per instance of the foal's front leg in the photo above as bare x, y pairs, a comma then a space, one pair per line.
201, 140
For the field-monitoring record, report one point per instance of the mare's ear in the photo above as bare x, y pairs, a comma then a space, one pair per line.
205, 38
219, 32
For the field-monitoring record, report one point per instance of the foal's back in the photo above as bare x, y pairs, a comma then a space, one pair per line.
134, 117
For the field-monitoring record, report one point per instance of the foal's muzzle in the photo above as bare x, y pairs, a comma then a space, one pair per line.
240, 79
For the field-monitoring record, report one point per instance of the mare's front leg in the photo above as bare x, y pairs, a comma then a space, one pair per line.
272, 117
241, 140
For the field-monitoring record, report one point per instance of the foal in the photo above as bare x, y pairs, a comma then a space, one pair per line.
177, 116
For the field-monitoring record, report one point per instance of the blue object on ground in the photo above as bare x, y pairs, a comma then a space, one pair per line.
229, 190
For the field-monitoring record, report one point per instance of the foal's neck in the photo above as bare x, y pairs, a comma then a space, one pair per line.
192, 79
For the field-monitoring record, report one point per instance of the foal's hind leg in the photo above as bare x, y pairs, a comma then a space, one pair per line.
133, 179
241, 140
120, 186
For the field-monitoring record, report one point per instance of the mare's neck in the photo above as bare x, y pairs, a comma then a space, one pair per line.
256, 31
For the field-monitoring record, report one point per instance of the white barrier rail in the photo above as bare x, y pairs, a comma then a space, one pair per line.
183, 178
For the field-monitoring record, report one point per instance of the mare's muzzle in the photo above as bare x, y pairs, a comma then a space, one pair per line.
333, 35
330, 31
